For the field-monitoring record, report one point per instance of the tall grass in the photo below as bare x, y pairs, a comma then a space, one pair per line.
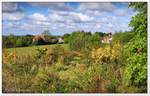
57, 70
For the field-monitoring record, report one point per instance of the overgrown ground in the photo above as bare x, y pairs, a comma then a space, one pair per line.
58, 69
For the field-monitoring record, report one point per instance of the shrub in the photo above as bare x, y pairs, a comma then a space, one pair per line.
122, 37
16, 41
82, 40
136, 69
48, 82
45, 57
107, 54
66, 38
20, 43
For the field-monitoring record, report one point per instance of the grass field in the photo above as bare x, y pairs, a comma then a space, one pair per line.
31, 50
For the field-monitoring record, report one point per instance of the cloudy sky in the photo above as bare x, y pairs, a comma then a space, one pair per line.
59, 18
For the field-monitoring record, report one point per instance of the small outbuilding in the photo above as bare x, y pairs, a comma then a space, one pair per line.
60, 40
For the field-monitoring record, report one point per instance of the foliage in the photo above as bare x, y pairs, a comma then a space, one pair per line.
40, 53
94, 40
58, 70
82, 40
101, 34
77, 40
9, 41
16, 73
107, 54
16, 41
66, 38
136, 69
48, 82
122, 37
20, 42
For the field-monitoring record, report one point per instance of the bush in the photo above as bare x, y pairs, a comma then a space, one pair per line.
66, 38
107, 54
122, 37
39, 42
48, 82
20, 43
136, 70
82, 40
16, 41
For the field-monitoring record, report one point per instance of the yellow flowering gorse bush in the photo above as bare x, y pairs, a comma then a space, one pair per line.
108, 53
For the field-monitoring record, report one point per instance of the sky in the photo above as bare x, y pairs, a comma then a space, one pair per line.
21, 18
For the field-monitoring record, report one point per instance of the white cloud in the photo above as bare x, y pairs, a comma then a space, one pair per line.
110, 25
13, 16
10, 25
70, 17
82, 17
27, 26
95, 13
55, 17
103, 17
98, 26
38, 17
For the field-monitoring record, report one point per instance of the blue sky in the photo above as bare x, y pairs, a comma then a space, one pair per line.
21, 18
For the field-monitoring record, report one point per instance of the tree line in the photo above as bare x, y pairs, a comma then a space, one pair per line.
12, 40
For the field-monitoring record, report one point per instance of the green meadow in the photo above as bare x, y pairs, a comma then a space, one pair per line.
31, 50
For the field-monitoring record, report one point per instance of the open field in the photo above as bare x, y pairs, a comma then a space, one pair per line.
31, 50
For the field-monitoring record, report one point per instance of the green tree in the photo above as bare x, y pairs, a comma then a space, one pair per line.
19, 43
66, 37
100, 33
122, 37
84, 40
136, 69
77, 40
94, 40
12, 40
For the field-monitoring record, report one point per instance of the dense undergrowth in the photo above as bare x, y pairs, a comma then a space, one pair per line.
59, 70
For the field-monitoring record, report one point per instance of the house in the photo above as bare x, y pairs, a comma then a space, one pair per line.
60, 40
44, 39
107, 38
40, 38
